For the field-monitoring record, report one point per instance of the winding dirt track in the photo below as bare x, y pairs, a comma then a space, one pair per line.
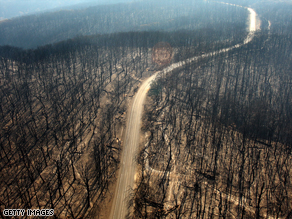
128, 166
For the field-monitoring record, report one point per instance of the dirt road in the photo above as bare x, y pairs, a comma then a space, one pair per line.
128, 166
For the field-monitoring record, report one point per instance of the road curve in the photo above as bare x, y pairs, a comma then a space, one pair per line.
128, 167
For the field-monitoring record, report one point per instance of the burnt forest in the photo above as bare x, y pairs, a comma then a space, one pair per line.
148, 109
